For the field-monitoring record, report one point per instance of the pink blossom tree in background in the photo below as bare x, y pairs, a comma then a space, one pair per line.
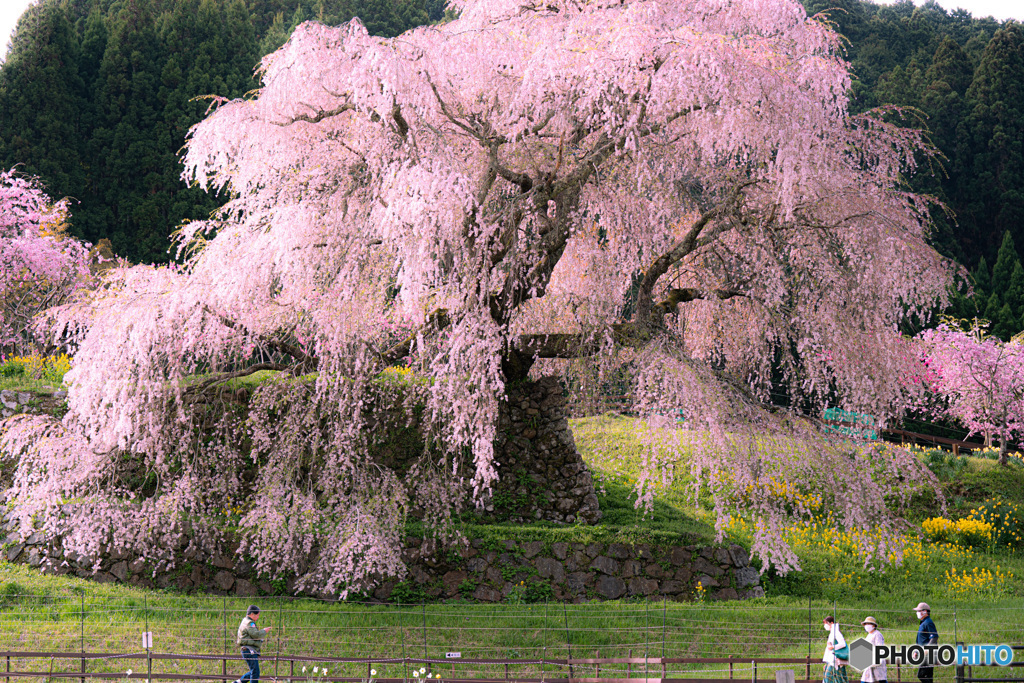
41, 266
979, 380
481, 200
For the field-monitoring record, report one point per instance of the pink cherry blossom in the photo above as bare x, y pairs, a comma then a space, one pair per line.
40, 266
979, 380
674, 185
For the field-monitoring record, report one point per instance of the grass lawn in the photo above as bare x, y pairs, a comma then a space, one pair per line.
979, 602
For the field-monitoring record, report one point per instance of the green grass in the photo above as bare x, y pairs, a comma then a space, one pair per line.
112, 617
785, 623
25, 383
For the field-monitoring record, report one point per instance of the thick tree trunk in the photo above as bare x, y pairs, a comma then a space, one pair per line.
542, 474
1004, 448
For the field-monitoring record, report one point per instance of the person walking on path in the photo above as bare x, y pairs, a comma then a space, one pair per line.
250, 639
927, 634
875, 673
835, 649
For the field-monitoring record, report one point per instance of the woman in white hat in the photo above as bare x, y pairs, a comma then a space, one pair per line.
876, 673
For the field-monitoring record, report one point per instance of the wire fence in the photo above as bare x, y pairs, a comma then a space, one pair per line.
538, 641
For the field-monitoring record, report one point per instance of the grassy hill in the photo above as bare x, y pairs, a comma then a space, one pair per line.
975, 592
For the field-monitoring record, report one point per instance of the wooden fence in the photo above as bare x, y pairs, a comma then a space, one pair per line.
573, 670
621, 403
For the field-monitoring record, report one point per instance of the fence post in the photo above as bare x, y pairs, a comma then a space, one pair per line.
543, 657
629, 664
568, 642
664, 617
730, 667
149, 661
808, 667
82, 603
959, 666
753, 673
647, 634
809, 635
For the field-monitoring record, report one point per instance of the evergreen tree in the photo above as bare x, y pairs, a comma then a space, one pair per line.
42, 100
1015, 292
1006, 324
993, 309
1005, 260
990, 188
982, 286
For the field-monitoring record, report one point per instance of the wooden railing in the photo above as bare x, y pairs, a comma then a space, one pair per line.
572, 670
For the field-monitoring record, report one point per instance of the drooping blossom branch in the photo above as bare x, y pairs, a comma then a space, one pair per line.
680, 181
41, 266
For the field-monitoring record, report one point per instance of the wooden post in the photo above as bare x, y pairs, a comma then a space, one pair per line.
730, 667
808, 667
597, 667
629, 665
753, 674
83, 634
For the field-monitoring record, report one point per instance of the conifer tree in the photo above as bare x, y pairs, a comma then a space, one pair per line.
1015, 292
991, 157
41, 101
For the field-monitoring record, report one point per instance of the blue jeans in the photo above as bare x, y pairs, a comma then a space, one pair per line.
252, 658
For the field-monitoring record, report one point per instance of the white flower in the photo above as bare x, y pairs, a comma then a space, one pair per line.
373, 672
415, 674
315, 669
128, 672
423, 670
303, 669
430, 675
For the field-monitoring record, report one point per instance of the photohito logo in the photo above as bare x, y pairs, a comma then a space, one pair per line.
864, 654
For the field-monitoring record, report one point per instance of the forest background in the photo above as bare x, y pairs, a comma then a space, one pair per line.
96, 97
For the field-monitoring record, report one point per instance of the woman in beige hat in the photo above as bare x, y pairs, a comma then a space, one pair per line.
876, 673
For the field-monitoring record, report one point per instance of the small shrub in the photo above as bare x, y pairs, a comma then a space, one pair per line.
539, 591
944, 465
408, 593
44, 368
969, 532
1006, 520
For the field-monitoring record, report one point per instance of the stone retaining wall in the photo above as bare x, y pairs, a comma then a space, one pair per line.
484, 571
576, 572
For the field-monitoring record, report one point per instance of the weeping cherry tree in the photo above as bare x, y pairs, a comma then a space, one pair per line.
680, 182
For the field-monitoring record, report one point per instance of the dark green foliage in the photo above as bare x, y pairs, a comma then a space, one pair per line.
990, 157
97, 96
